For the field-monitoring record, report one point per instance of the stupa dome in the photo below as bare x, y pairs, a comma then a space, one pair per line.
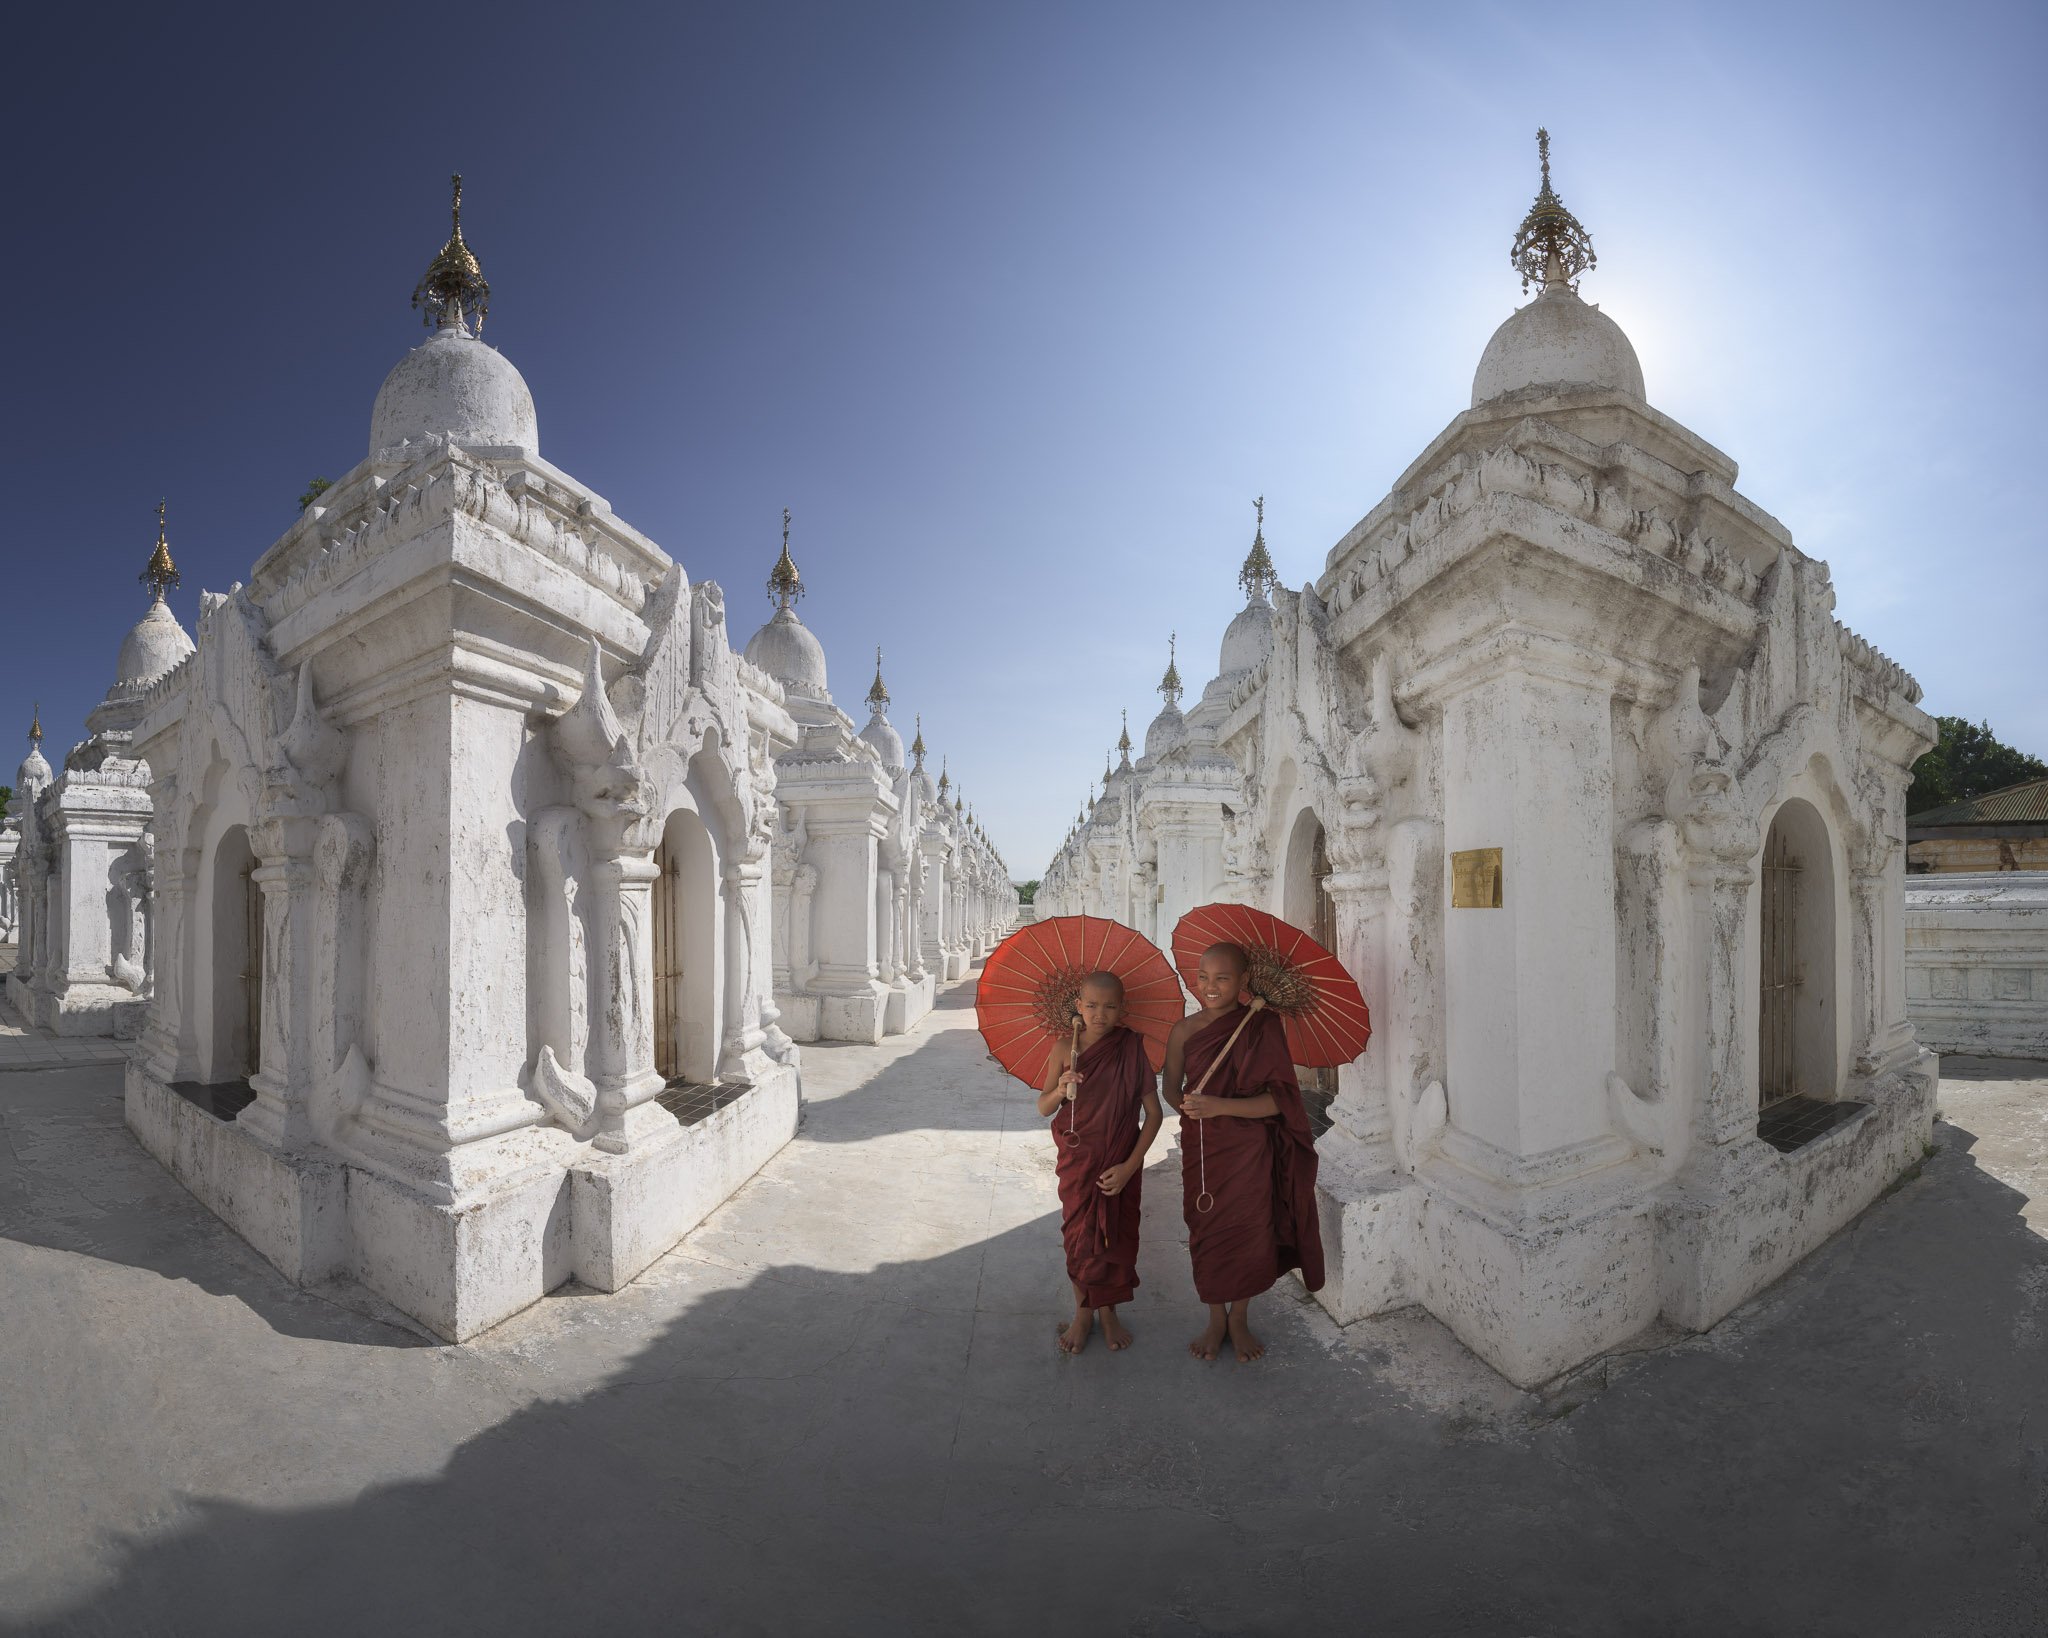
454, 385
1164, 733
34, 768
156, 643
1248, 639
887, 742
1557, 340
786, 650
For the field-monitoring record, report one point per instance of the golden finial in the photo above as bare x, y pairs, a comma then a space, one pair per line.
35, 727
1123, 741
785, 585
453, 290
1258, 576
1169, 685
945, 783
1551, 246
878, 695
917, 744
160, 574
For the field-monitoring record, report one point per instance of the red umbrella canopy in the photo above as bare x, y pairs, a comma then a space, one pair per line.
1025, 1000
1317, 1000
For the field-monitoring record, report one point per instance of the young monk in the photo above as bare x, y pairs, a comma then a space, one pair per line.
1094, 1102
1248, 1160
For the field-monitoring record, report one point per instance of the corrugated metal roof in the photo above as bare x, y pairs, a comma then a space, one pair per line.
2016, 804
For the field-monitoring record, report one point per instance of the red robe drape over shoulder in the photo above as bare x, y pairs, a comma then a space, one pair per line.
1262, 1173
1101, 1230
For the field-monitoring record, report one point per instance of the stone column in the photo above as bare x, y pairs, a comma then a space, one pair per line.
744, 1031
619, 1058
1720, 884
281, 1115
1359, 898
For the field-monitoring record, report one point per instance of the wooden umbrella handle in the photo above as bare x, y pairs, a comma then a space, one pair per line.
1074, 1069
1257, 1002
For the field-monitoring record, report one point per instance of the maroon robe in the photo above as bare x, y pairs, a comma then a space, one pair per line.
1262, 1173
1101, 1230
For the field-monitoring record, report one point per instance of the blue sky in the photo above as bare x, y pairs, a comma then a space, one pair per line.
1018, 308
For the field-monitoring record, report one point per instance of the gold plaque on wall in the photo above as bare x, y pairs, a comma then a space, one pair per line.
1475, 879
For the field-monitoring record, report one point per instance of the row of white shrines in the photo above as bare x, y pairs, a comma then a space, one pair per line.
469, 893
1566, 758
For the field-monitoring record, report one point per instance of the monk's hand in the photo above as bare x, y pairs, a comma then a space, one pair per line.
1070, 1085
1113, 1180
1198, 1106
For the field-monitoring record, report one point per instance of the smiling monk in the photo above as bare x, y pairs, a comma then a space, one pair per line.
1248, 1175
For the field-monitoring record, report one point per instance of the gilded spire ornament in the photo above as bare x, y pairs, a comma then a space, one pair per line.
160, 574
1169, 685
878, 694
1551, 246
35, 726
453, 291
1258, 576
917, 744
1123, 742
785, 585
945, 784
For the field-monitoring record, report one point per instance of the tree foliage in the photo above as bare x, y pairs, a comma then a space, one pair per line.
1967, 761
314, 490
1027, 891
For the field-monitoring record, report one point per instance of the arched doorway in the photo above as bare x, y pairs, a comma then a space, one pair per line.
686, 952
1307, 902
1796, 981
236, 1048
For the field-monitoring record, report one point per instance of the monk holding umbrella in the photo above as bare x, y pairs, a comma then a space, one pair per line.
1271, 998
1079, 1008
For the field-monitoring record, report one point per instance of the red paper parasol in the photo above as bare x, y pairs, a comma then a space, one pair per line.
1025, 1000
1317, 1000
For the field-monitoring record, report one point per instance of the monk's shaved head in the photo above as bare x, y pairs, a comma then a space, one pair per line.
1235, 954
1108, 983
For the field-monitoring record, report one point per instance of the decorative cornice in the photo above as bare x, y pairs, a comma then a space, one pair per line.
575, 531
1470, 477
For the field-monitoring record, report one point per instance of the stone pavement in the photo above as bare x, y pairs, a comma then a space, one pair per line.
837, 1408
22, 1047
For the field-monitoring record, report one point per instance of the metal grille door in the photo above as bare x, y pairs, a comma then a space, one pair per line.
1778, 971
252, 974
667, 970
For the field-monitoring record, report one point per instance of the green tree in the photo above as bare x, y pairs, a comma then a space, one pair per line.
6, 796
1026, 892
314, 490
1967, 761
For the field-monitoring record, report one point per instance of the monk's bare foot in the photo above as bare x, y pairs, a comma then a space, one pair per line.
1210, 1341
1248, 1346
1074, 1334
1113, 1331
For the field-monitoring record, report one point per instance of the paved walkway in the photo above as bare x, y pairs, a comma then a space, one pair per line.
837, 1408
22, 1047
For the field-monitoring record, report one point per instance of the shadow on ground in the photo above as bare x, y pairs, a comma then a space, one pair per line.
797, 1449
73, 1180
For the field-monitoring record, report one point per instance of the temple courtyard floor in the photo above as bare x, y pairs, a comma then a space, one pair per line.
837, 1408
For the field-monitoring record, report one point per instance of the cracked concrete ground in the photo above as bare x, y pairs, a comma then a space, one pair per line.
837, 1408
